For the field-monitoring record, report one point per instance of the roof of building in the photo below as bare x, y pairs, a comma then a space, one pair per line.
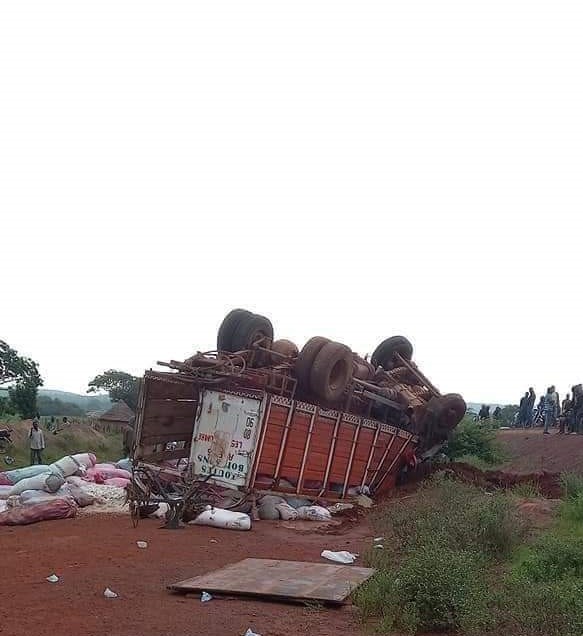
119, 412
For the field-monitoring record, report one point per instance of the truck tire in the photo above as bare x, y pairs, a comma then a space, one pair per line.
331, 371
228, 327
249, 330
383, 354
285, 348
452, 408
306, 359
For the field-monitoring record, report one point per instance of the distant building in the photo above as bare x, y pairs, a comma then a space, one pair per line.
116, 418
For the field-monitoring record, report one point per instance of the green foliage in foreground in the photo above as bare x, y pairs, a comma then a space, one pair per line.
459, 560
476, 440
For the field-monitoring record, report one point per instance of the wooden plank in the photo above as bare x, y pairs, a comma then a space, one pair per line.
170, 408
294, 581
173, 390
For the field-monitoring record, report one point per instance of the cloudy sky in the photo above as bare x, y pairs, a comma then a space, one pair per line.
351, 169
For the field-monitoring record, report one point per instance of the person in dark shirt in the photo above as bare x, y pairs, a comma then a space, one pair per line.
564, 418
522, 410
530, 407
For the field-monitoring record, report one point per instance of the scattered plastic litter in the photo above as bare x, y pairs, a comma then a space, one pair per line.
109, 593
214, 541
378, 539
142, 544
344, 557
250, 632
379, 546
205, 597
53, 578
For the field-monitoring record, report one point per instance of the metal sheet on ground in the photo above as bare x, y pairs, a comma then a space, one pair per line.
282, 580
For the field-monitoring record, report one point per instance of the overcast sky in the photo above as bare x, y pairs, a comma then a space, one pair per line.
350, 169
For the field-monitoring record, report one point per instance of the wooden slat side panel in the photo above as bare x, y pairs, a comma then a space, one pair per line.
153, 456
273, 438
341, 456
294, 450
384, 439
173, 390
396, 451
317, 460
167, 415
365, 439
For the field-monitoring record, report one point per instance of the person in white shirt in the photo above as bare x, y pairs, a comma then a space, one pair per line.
37, 443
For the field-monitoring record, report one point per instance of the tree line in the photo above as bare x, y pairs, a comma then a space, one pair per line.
21, 377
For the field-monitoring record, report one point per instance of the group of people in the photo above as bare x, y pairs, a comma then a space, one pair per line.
551, 412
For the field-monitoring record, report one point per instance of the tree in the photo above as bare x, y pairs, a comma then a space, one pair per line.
23, 376
120, 386
15, 368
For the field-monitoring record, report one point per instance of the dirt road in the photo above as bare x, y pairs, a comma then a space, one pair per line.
92, 553
530, 450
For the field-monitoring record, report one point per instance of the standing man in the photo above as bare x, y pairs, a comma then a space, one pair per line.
530, 407
565, 420
577, 409
37, 443
551, 409
522, 414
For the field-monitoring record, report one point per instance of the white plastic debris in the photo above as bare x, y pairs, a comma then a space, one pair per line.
344, 557
378, 539
214, 541
379, 546
205, 597
109, 593
142, 544
250, 632
53, 578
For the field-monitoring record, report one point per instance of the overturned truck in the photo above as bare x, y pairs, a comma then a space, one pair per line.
259, 415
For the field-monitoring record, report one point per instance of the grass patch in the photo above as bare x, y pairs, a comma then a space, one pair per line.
106, 447
527, 490
478, 441
459, 560
572, 485
441, 553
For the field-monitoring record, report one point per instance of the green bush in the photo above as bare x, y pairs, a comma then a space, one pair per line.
572, 509
460, 515
552, 558
434, 571
545, 608
477, 440
572, 485
435, 588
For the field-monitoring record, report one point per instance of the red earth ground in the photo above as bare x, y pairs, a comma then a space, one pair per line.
91, 553
529, 450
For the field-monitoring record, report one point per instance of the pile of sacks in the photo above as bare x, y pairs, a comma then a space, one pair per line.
56, 491
273, 507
